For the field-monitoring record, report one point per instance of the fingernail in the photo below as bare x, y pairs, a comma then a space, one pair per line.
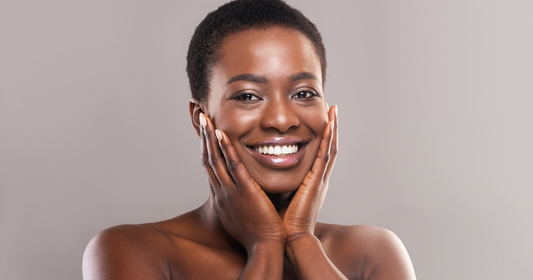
202, 120
327, 106
218, 134
336, 110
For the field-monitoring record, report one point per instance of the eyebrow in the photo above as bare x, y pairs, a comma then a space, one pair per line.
263, 80
302, 76
249, 78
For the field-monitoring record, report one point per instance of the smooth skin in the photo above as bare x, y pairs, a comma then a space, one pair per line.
260, 221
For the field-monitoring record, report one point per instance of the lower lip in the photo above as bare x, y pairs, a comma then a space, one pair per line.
280, 162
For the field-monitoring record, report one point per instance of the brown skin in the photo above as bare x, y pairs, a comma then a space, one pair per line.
260, 220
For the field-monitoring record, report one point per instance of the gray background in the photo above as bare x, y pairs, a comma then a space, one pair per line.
435, 107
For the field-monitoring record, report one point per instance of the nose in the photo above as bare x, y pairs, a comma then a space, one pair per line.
279, 115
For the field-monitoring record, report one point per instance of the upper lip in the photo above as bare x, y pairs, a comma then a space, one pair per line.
279, 141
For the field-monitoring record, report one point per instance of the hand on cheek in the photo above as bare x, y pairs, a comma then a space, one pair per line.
302, 213
242, 206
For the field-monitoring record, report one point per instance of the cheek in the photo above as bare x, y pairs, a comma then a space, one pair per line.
316, 120
235, 125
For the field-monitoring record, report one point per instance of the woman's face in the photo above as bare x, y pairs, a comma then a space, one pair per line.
266, 91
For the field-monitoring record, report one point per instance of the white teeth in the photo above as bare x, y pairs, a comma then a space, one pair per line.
277, 150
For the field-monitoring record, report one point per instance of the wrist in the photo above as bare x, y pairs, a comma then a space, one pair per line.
302, 238
302, 249
266, 248
291, 238
265, 260
307, 257
301, 242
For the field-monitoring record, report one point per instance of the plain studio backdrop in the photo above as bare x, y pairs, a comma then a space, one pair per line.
435, 117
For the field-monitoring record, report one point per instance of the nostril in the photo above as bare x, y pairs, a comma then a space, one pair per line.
280, 116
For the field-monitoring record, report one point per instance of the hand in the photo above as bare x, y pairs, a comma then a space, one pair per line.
242, 206
302, 213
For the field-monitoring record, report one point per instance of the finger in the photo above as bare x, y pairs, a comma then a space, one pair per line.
204, 160
215, 158
233, 162
334, 150
319, 166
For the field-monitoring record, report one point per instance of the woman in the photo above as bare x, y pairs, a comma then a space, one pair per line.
269, 143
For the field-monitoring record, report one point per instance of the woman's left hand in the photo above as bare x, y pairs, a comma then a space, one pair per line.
302, 213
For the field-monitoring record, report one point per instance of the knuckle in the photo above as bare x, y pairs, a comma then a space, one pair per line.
224, 148
219, 201
309, 180
208, 134
213, 160
232, 166
334, 151
204, 161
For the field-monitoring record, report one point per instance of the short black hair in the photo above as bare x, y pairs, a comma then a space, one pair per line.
237, 16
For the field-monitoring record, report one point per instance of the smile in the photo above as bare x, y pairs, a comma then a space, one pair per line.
278, 150
279, 153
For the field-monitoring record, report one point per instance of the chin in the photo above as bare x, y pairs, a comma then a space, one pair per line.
280, 183
280, 189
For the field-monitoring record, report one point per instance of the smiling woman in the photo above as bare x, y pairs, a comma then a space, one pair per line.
269, 143
267, 91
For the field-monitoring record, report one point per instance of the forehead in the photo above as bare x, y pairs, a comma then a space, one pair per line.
271, 52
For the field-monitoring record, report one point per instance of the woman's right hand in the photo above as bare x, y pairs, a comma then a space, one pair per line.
243, 207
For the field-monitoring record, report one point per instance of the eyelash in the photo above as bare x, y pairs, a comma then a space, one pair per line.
312, 94
247, 97
253, 97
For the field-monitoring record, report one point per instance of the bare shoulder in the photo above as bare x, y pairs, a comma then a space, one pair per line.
374, 252
127, 252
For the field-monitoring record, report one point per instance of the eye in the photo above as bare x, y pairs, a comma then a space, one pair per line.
305, 94
247, 97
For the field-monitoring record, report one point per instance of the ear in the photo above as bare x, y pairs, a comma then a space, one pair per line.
195, 108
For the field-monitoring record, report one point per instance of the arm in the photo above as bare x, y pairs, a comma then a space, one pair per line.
265, 261
309, 260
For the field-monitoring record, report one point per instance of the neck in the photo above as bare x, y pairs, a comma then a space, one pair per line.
209, 220
280, 199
